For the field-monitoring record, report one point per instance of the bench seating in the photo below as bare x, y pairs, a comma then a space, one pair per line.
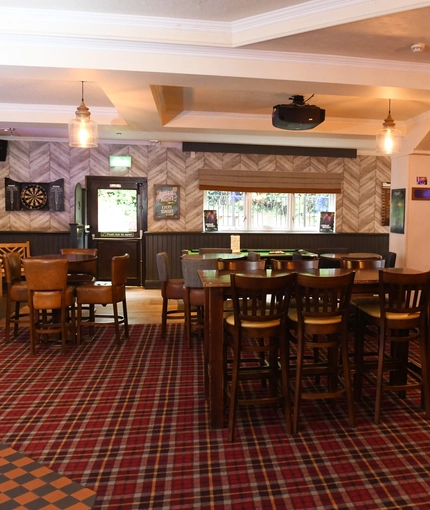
22, 248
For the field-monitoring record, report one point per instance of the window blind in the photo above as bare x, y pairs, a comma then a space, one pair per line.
269, 182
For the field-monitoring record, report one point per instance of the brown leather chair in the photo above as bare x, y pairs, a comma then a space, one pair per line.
258, 326
194, 293
17, 294
320, 322
81, 272
399, 318
48, 290
171, 289
105, 293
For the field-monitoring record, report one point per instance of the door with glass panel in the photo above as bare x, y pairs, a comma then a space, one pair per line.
117, 218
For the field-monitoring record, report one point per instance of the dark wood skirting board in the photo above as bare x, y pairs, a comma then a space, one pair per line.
174, 242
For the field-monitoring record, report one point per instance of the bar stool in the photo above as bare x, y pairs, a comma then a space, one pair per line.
171, 289
194, 293
400, 317
320, 321
17, 294
258, 326
48, 290
105, 293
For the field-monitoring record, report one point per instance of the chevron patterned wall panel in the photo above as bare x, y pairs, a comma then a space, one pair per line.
358, 206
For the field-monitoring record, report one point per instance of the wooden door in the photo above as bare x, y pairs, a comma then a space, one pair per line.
117, 218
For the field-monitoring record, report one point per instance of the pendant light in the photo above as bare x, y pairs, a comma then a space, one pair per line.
83, 132
388, 139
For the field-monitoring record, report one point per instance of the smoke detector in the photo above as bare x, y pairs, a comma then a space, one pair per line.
418, 47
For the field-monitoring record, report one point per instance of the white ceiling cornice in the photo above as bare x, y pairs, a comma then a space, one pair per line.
312, 15
184, 50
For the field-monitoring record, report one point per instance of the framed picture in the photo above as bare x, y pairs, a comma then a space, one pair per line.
166, 202
211, 220
397, 211
327, 221
420, 193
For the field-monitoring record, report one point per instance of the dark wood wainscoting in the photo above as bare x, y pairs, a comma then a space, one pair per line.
174, 242
41, 243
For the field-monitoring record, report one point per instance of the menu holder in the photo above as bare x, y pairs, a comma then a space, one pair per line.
235, 244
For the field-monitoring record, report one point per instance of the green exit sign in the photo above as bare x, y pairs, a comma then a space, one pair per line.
123, 161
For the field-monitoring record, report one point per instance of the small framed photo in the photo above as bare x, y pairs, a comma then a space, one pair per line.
422, 181
166, 202
211, 220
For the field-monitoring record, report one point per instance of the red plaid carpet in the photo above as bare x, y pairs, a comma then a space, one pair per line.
130, 423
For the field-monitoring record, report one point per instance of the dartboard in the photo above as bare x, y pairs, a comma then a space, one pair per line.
33, 196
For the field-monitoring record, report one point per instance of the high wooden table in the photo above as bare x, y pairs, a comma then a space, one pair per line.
215, 284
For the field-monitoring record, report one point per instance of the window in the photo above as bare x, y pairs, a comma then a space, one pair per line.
237, 210
117, 210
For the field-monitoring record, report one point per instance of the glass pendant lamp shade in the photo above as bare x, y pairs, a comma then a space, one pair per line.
83, 132
388, 139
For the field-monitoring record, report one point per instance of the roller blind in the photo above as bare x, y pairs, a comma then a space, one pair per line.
269, 182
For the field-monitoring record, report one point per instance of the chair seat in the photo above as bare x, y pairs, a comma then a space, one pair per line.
19, 292
48, 300
174, 288
96, 294
253, 324
374, 311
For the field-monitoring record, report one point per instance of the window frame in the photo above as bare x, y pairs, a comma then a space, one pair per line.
247, 213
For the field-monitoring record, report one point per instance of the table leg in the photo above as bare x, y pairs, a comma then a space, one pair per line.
214, 329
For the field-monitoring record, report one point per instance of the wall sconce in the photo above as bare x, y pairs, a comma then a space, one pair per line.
83, 132
388, 139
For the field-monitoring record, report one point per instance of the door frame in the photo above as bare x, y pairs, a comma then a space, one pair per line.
113, 243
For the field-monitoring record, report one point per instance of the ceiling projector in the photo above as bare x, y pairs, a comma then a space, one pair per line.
297, 115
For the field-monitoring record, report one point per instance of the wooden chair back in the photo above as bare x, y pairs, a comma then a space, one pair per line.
241, 265
294, 265
362, 263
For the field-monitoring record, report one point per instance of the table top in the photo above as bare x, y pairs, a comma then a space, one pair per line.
226, 256
358, 255
265, 254
71, 257
215, 278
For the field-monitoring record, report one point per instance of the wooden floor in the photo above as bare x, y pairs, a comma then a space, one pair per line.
143, 305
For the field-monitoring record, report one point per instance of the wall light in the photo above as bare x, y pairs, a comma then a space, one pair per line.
83, 132
388, 139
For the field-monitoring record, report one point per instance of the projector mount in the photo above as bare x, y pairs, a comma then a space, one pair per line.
300, 100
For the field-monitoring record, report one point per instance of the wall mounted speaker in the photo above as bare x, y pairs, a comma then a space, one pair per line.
3, 150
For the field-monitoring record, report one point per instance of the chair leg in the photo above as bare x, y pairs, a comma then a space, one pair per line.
298, 385
116, 318
285, 380
78, 323
425, 391
234, 389
125, 315
347, 379
164, 318
379, 376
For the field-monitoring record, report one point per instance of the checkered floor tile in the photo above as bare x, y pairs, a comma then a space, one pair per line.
26, 484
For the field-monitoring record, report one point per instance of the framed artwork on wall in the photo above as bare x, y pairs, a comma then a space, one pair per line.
166, 202
397, 211
420, 194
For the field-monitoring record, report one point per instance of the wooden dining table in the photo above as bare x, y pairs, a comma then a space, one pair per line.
75, 259
216, 284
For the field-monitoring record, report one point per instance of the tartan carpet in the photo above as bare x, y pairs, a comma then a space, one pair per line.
131, 424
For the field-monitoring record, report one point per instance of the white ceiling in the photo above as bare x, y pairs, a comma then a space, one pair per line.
211, 70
